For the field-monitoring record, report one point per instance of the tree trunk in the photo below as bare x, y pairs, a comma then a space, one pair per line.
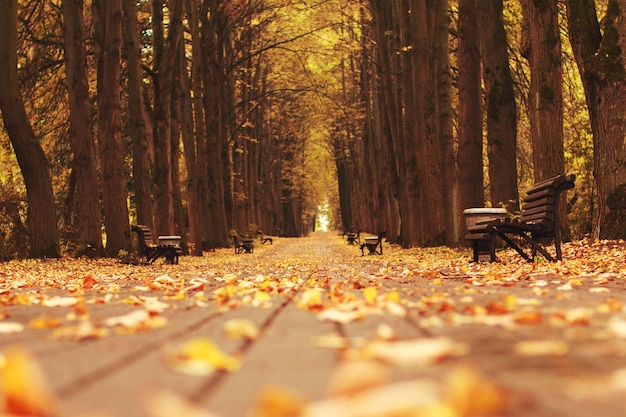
108, 18
600, 59
85, 161
216, 150
469, 178
432, 112
42, 224
198, 220
164, 61
139, 128
501, 106
542, 48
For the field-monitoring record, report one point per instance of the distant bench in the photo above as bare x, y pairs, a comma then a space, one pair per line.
352, 237
374, 244
538, 220
243, 244
166, 246
264, 239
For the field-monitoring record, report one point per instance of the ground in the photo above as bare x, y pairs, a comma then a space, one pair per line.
309, 327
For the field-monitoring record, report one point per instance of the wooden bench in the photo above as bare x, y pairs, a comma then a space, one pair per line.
264, 239
538, 221
353, 237
166, 246
243, 244
374, 244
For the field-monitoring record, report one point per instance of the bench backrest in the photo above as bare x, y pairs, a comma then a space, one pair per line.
144, 234
540, 207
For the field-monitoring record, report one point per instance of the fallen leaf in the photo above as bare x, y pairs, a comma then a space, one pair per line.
200, 357
340, 316
274, 401
541, 348
411, 398
241, 329
59, 301
473, 394
7, 327
23, 386
406, 353
353, 376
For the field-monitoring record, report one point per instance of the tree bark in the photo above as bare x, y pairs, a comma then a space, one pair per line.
501, 107
469, 178
542, 48
164, 61
83, 145
42, 224
139, 126
600, 59
109, 128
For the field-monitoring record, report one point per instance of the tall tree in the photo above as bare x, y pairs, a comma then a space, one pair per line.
214, 35
108, 21
194, 137
542, 47
600, 58
164, 62
500, 105
139, 126
42, 224
431, 72
85, 161
469, 178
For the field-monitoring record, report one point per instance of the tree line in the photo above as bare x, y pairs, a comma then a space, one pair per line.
167, 114
466, 103
204, 117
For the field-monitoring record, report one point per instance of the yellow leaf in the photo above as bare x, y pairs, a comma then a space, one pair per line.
472, 394
311, 299
369, 295
241, 329
23, 386
45, 323
278, 402
541, 348
200, 357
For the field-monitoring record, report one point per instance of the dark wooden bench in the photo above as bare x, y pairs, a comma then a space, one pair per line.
166, 246
243, 244
264, 239
353, 237
374, 244
537, 222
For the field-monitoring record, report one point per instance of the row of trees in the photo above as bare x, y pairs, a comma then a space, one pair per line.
467, 102
181, 115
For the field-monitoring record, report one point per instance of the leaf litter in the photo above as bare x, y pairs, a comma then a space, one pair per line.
434, 288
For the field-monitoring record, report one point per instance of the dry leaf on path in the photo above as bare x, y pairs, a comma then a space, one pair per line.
200, 357
23, 388
406, 353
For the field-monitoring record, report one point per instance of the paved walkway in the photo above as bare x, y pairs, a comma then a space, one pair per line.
449, 342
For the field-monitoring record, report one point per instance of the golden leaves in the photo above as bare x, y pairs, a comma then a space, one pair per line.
23, 389
200, 357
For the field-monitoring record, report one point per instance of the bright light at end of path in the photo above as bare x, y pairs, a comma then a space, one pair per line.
323, 222
323, 217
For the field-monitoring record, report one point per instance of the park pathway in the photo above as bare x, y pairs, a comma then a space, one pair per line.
318, 305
